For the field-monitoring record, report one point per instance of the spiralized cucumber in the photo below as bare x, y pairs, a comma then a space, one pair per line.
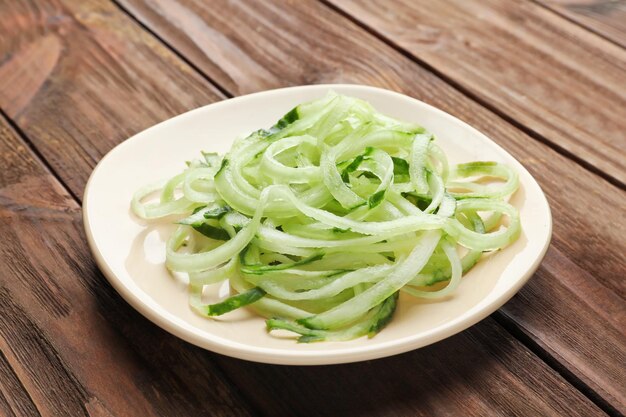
319, 222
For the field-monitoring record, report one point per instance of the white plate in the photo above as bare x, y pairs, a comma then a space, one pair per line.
131, 253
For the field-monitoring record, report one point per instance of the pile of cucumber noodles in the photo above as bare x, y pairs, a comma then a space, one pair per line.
320, 221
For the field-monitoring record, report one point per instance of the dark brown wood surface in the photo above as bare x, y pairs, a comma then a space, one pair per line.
70, 345
77, 77
93, 74
557, 80
604, 17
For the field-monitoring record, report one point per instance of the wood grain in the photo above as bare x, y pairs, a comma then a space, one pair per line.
547, 74
14, 399
296, 48
605, 17
69, 345
471, 374
308, 44
88, 63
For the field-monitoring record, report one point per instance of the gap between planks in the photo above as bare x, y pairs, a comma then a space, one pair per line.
504, 321
475, 97
175, 51
38, 155
575, 22
518, 333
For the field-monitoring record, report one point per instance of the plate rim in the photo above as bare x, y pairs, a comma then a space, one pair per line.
244, 351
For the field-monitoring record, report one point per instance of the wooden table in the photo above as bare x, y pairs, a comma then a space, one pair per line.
546, 79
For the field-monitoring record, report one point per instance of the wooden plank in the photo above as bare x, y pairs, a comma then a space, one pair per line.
73, 344
36, 115
547, 74
248, 48
607, 18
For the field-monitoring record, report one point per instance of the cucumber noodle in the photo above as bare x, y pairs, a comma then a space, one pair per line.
319, 222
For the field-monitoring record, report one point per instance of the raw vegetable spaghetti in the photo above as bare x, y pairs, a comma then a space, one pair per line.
321, 220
